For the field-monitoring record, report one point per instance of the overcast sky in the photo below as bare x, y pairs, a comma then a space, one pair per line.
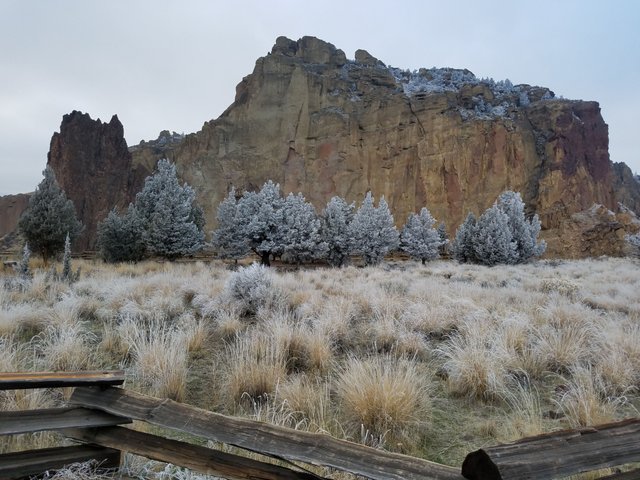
174, 65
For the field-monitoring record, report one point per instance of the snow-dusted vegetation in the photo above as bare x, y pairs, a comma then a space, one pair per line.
456, 356
495, 99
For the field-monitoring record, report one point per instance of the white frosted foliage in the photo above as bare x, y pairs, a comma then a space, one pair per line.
336, 218
169, 215
419, 238
493, 242
373, 231
299, 231
228, 238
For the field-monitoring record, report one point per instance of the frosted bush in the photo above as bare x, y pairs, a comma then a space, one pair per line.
251, 287
561, 286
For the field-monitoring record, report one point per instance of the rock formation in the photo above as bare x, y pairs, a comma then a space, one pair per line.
319, 123
93, 166
11, 207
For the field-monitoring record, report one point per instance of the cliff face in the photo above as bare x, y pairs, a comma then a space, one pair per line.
11, 207
93, 166
318, 123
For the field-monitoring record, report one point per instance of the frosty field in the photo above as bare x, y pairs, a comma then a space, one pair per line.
433, 361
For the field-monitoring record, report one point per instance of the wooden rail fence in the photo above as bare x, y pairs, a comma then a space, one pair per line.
98, 407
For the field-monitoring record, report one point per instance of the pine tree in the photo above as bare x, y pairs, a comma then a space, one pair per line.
524, 232
419, 238
462, 247
260, 215
228, 238
299, 233
444, 239
493, 242
49, 217
336, 218
120, 237
172, 223
373, 231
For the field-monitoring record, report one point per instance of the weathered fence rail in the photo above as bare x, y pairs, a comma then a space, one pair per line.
98, 407
558, 454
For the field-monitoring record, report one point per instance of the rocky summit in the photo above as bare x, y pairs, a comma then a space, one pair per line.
321, 124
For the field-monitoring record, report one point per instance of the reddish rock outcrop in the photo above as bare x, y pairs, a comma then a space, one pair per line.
92, 164
594, 232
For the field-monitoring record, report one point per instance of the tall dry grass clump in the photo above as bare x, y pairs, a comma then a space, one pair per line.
256, 364
470, 366
65, 346
383, 399
308, 401
306, 349
159, 356
524, 416
567, 334
584, 399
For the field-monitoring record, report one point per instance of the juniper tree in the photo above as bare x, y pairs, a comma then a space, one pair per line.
299, 233
493, 242
48, 218
66, 259
120, 236
462, 247
444, 239
373, 231
419, 238
229, 239
524, 232
172, 222
24, 271
259, 216
336, 218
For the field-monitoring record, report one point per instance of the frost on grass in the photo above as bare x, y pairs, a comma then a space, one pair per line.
382, 398
325, 349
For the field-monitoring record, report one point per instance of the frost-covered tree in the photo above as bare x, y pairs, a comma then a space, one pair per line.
260, 217
444, 239
66, 259
336, 218
120, 238
172, 222
493, 242
300, 231
48, 218
502, 234
419, 238
524, 232
462, 246
229, 239
24, 271
373, 231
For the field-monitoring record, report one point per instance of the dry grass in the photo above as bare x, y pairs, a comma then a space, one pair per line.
383, 398
256, 364
583, 398
434, 360
159, 354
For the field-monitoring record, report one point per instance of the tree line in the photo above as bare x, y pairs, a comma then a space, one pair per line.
164, 220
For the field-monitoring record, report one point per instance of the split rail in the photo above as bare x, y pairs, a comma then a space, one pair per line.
98, 407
